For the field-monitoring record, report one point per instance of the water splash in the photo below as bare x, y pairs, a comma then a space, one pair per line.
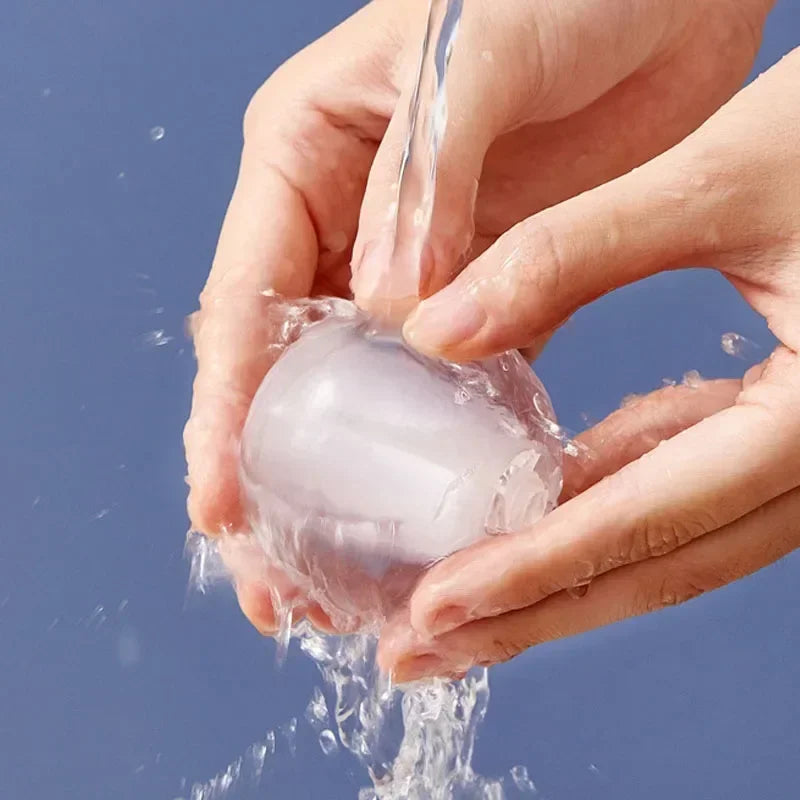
245, 770
738, 346
416, 742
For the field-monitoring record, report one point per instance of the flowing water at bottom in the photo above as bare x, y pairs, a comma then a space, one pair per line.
415, 742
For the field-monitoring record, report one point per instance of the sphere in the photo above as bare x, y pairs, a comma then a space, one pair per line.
364, 462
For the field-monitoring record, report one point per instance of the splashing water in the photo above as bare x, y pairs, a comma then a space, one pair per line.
416, 741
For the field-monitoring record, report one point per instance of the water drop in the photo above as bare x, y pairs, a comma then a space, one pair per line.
157, 133
579, 590
317, 710
693, 379
522, 781
738, 346
328, 743
156, 339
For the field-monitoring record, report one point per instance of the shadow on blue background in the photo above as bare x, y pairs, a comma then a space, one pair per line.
112, 685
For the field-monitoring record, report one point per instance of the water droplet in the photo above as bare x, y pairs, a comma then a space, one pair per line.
522, 781
328, 743
317, 710
693, 379
121, 175
157, 338
579, 590
47, 91
157, 133
736, 345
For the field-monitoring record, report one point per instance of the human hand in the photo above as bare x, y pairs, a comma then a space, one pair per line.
537, 97
701, 486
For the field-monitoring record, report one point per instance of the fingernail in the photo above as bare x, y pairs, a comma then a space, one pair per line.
427, 665
446, 320
444, 620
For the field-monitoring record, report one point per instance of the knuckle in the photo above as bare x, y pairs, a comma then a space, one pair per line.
530, 275
546, 266
255, 111
654, 536
498, 652
672, 590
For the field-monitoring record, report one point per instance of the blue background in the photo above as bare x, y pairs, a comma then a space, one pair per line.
112, 683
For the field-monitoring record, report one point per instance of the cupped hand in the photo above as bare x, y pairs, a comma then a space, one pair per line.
690, 488
545, 101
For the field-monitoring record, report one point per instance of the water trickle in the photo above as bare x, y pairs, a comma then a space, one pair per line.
400, 284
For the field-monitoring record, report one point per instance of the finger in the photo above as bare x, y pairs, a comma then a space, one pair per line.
739, 549
263, 590
549, 265
641, 425
258, 250
704, 478
703, 202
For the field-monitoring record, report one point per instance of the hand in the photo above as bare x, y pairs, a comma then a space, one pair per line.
719, 497
546, 101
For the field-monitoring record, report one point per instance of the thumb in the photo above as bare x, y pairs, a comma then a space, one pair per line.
390, 279
669, 213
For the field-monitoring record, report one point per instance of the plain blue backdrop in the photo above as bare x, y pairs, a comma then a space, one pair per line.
112, 684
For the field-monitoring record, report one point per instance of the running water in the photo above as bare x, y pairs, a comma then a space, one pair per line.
416, 743
399, 286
